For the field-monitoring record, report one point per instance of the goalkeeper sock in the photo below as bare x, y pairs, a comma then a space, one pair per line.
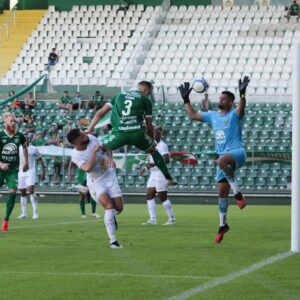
82, 207
161, 164
10, 204
24, 205
223, 206
152, 209
93, 204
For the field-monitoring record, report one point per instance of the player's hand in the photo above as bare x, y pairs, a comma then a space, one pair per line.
88, 131
4, 166
25, 167
185, 91
243, 85
111, 163
43, 176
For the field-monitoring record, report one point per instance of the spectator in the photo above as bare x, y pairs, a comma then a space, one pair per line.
27, 114
29, 129
62, 120
16, 109
76, 102
96, 102
38, 139
40, 128
29, 100
160, 123
53, 137
68, 126
294, 10
205, 103
65, 101
52, 59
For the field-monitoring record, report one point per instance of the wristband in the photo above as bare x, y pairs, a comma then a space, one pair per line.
186, 100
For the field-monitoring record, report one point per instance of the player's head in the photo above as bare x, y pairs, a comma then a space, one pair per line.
145, 87
77, 138
10, 122
157, 134
226, 100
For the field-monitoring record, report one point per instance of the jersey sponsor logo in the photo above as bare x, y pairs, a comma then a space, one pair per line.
220, 136
10, 149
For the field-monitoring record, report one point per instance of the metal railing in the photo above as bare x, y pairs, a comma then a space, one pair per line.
11, 18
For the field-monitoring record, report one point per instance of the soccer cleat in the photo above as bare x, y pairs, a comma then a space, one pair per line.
172, 181
21, 216
95, 215
4, 225
35, 216
83, 216
222, 230
170, 222
150, 222
240, 200
116, 245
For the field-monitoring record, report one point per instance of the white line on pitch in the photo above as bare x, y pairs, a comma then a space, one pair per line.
223, 280
102, 274
50, 224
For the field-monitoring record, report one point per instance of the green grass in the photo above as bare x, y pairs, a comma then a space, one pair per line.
63, 257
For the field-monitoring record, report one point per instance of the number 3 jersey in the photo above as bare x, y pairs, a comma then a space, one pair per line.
129, 110
99, 170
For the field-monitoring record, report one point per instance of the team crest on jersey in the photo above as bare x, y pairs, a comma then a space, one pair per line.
16, 140
225, 120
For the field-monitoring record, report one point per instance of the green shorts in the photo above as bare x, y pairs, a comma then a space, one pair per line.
118, 139
80, 177
11, 179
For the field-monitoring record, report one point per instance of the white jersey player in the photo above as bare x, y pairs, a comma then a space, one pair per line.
89, 155
26, 180
157, 184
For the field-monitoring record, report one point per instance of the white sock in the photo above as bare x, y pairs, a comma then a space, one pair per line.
222, 218
34, 203
110, 224
152, 209
24, 205
233, 184
168, 207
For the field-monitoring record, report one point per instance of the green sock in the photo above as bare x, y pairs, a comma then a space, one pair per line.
82, 207
161, 164
10, 205
93, 204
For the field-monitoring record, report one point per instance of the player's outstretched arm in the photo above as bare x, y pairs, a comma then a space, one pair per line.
242, 88
100, 113
185, 91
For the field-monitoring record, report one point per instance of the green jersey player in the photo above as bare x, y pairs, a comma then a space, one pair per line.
10, 140
129, 112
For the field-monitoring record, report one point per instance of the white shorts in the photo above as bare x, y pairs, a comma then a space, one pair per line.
26, 181
108, 186
158, 181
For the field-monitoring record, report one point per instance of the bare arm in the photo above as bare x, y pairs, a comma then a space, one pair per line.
100, 113
87, 167
242, 88
241, 109
41, 160
149, 126
193, 114
26, 165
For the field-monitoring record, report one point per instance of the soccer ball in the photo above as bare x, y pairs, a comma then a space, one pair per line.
200, 85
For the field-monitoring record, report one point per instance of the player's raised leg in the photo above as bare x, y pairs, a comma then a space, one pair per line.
223, 191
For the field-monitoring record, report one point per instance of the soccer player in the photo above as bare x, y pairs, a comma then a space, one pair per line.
129, 111
26, 180
157, 184
83, 193
89, 155
10, 140
226, 124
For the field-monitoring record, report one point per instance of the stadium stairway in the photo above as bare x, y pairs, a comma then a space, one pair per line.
26, 22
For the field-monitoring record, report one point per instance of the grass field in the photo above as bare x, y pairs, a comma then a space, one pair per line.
63, 257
